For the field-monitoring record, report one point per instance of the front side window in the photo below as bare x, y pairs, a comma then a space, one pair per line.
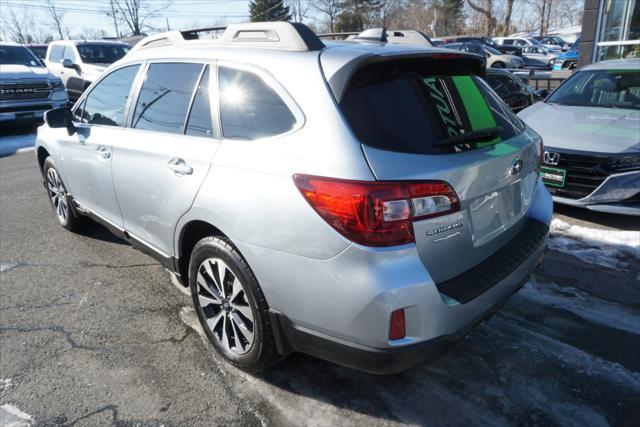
68, 54
601, 88
250, 108
56, 53
425, 106
18, 55
165, 96
106, 103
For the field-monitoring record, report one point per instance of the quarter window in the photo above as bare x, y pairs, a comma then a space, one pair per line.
106, 103
249, 108
199, 123
164, 98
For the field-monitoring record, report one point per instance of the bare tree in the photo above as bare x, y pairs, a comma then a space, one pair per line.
329, 8
487, 12
299, 9
507, 18
57, 19
112, 12
17, 27
135, 13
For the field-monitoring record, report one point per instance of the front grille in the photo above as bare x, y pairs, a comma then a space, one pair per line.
498, 266
584, 175
36, 90
41, 107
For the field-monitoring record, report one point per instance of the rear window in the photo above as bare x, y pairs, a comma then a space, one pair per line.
431, 107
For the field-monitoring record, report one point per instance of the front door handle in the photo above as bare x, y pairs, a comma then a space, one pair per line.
103, 152
179, 166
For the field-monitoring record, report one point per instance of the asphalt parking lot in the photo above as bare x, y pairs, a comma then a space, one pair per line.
93, 333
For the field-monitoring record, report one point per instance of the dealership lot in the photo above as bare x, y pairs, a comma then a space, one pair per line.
92, 332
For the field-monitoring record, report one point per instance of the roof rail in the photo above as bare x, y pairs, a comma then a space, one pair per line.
268, 35
381, 35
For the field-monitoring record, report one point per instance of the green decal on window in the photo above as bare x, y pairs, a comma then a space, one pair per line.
478, 111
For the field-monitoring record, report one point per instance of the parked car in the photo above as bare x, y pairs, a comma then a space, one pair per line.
554, 42
27, 88
39, 50
79, 63
591, 129
522, 42
494, 58
510, 88
538, 57
569, 59
372, 231
508, 50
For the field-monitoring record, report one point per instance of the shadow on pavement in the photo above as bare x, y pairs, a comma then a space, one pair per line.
15, 137
96, 231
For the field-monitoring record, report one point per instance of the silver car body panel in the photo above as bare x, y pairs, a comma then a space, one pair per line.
309, 272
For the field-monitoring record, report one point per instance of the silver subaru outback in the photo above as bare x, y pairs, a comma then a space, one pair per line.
363, 202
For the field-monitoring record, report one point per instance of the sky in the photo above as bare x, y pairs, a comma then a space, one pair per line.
182, 14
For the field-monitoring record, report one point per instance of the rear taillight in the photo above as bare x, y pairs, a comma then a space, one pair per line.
397, 326
376, 213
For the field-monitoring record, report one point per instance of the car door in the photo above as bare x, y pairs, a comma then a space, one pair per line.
159, 168
86, 156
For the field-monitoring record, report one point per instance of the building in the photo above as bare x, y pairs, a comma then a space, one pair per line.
610, 30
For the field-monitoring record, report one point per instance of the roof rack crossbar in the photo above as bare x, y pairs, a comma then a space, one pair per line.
193, 34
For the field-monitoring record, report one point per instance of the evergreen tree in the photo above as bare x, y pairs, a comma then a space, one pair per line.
269, 10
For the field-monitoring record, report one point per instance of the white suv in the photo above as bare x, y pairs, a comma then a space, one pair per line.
79, 63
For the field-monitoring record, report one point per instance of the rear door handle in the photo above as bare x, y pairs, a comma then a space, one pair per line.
179, 166
103, 152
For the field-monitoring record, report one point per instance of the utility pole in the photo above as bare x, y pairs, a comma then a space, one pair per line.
167, 19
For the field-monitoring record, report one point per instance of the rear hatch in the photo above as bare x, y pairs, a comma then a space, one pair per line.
432, 118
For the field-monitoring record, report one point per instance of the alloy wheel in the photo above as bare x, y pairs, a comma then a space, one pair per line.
58, 194
225, 306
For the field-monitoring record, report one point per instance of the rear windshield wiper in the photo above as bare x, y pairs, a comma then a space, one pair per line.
473, 136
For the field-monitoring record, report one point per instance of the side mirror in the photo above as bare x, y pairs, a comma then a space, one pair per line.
60, 118
67, 63
541, 93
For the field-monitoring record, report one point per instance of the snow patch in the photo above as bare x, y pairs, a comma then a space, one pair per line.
585, 306
608, 248
10, 416
5, 384
6, 266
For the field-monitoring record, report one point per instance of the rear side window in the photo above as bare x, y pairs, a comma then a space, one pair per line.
56, 53
199, 123
250, 108
424, 106
165, 96
106, 103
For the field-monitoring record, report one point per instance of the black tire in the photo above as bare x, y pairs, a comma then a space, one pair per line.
262, 352
66, 216
497, 65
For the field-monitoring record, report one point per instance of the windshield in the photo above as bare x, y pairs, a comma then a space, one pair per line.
420, 106
18, 55
535, 42
492, 50
102, 53
39, 51
600, 88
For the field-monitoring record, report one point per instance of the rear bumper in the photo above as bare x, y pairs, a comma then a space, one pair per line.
378, 361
